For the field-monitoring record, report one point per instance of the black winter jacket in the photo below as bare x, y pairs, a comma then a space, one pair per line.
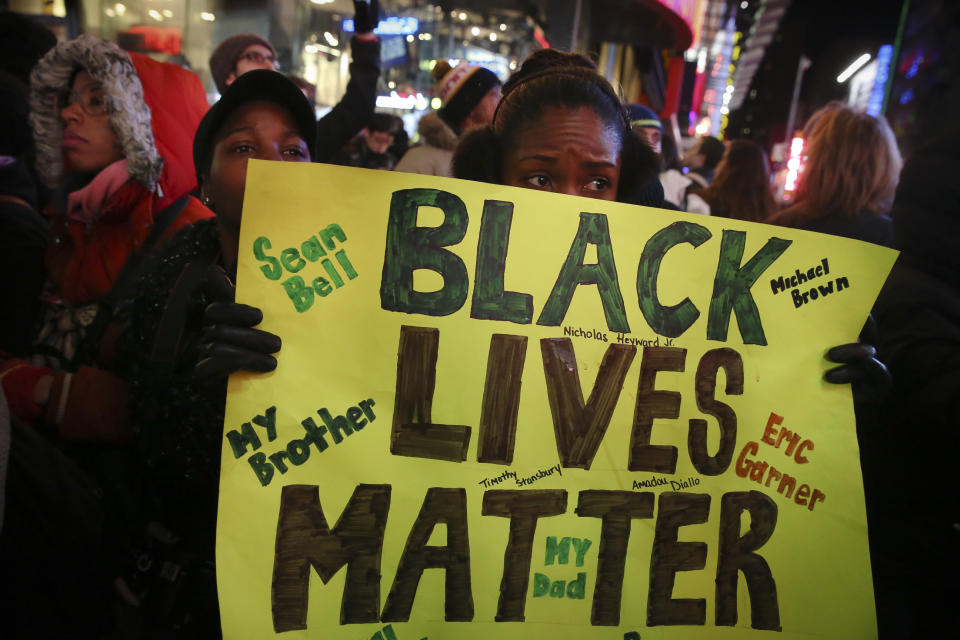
869, 227
353, 112
909, 461
177, 423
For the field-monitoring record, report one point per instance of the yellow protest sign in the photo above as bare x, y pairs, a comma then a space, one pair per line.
505, 413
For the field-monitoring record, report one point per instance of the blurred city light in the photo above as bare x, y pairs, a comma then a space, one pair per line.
794, 165
856, 64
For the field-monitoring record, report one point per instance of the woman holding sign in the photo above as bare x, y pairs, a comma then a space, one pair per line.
561, 127
183, 312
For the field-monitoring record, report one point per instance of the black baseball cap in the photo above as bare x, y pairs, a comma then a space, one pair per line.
259, 84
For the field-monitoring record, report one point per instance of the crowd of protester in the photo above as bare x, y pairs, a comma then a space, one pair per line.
119, 230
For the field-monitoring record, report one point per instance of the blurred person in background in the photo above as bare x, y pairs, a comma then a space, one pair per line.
22, 43
248, 51
740, 187
848, 182
701, 159
469, 95
674, 183
401, 141
23, 231
239, 54
646, 124
648, 127
370, 150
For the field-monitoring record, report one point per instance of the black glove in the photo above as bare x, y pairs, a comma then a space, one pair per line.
860, 367
229, 343
366, 15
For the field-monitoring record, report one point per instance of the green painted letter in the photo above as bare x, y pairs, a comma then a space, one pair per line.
490, 301
674, 320
731, 288
410, 247
272, 269
593, 230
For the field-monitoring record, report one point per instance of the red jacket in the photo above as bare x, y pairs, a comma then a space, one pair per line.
84, 259
156, 110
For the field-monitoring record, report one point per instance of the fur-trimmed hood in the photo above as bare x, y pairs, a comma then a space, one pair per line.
155, 108
436, 133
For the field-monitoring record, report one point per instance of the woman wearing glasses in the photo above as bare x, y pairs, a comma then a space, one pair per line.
113, 133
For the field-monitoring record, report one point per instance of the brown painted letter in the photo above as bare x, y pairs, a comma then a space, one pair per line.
448, 506
655, 404
579, 428
669, 556
616, 508
736, 553
304, 539
501, 398
523, 508
413, 434
706, 382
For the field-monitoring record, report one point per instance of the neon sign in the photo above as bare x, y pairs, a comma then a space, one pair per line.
392, 26
875, 102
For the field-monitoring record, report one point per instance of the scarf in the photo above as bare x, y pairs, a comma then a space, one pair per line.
86, 204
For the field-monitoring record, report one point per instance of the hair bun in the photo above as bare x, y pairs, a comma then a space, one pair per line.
440, 69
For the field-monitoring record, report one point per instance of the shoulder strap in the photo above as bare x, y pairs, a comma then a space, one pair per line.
166, 344
161, 222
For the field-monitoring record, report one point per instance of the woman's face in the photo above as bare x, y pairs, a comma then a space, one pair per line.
258, 129
566, 150
89, 143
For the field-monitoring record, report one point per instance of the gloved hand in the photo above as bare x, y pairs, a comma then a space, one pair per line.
860, 367
229, 343
366, 15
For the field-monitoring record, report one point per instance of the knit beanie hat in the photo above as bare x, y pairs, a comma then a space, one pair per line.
461, 89
643, 116
224, 58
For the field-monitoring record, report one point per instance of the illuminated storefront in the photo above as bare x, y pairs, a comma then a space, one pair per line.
312, 38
